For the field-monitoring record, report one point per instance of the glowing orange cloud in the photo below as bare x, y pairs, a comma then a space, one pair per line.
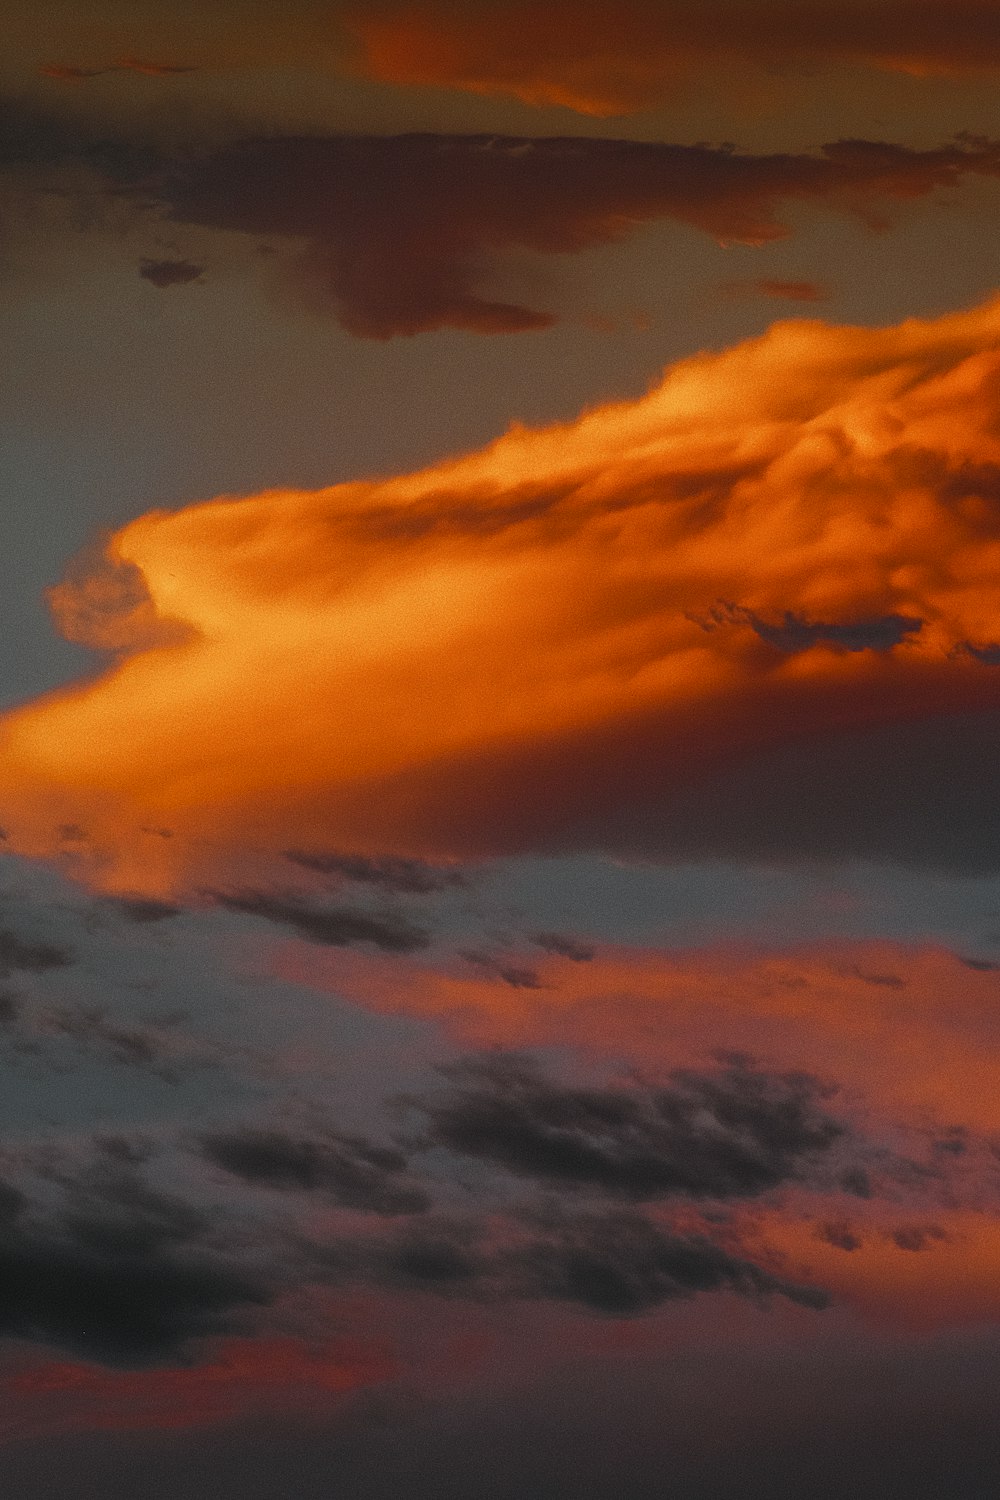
579, 57
542, 643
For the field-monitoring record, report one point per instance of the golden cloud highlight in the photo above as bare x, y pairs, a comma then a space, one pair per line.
541, 644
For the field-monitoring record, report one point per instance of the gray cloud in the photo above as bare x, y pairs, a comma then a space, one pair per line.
622, 1264
30, 956
732, 1133
337, 927
405, 876
518, 976
352, 1172
794, 633
565, 947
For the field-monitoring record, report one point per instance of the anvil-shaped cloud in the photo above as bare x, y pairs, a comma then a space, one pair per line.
779, 565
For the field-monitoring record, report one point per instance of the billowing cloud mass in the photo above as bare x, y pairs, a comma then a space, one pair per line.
569, 54
777, 569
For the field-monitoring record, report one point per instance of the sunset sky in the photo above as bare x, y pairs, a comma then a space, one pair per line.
499, 734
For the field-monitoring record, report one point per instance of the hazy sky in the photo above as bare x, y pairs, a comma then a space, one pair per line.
500, 931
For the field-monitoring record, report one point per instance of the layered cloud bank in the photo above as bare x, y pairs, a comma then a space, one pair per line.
740, 612
569, 55
557, 54
403, 234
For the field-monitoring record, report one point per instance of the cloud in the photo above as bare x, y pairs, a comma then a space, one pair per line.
735, 1133
623, 1265
793, 633
338, 927
237, 1378
164, 273
143, 910
789, 291
796, 1009
394, 231
503, 652
72, 73
399, 235
163, 1048
566, 947
18, 953
123, 1274
116, 1308
988, 655
518, 976
352, 1172
411, 877
575, 56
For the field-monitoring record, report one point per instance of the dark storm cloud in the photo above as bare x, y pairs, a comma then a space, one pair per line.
354, 1173
793, 633
120, 1273
412, 877
119, 1309
337, 927
732, 1133
122, 1309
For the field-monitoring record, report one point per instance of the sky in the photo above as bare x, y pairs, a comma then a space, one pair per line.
499, 720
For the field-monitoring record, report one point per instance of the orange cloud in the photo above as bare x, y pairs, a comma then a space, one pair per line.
580, 57
907, 1035
559, 639
953, 1278
909, 1031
